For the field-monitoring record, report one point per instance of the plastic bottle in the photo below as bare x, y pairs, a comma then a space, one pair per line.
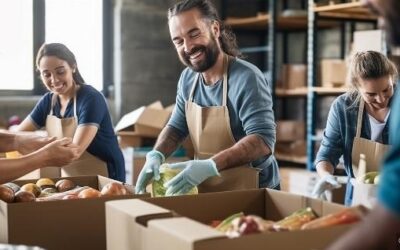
362, 168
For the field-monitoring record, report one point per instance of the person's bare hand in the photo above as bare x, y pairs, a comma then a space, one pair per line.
60, 152
27, 142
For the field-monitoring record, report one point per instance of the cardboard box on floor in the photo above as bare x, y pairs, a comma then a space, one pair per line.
145, 121
182, 222
65, 224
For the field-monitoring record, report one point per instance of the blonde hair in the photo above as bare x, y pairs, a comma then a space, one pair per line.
369, 65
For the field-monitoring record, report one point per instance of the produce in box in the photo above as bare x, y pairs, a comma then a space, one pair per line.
166, 174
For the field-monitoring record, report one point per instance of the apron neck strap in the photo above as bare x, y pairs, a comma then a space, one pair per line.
53, 102
224, 82
359, 117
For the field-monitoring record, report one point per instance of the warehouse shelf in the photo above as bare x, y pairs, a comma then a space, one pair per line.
354, 11
291, 158
291, 92
304, 91
343, 13
255, 49
329, 90
283, 22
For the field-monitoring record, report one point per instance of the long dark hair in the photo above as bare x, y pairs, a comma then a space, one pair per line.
208, 11
60, 51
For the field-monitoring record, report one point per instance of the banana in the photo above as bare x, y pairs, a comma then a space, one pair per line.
369, 178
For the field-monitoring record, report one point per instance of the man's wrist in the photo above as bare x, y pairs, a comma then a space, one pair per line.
213, 166
156, 153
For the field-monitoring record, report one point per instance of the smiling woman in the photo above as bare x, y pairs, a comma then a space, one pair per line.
76, 110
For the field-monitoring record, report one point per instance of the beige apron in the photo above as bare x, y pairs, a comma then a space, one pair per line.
210, 132
87, 164
373, 151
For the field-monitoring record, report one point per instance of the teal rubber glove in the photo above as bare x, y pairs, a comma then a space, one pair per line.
326, 183
151, 169
193, 173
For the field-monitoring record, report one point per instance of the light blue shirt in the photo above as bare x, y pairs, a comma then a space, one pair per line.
249, 105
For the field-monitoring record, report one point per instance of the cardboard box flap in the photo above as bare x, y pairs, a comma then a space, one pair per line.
179, 232
137, 208
280, 204
129, 119
156, 105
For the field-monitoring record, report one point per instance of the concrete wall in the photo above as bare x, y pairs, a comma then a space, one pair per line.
147, 65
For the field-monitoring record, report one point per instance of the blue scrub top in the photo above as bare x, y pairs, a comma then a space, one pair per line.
91, 108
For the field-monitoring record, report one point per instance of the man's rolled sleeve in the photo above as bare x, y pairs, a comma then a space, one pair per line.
256, 111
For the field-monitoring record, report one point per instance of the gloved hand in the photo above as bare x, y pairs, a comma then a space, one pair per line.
328, 182
154, 159
193, 173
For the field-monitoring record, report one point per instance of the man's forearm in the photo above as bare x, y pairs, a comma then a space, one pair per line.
248, 149
7, 142
168, 141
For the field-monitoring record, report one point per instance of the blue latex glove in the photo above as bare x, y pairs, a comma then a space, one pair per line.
193, 173
326, 183
151, 169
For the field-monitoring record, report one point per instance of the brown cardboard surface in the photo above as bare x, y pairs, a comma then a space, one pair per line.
129, 139
122, 219
294, 76
290, 130
333, 72
145, 121
190, 232
65, 224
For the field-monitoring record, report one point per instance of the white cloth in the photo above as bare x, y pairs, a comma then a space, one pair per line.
377, 127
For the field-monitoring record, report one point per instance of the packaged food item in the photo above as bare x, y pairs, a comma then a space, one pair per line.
166, 174
295, 220
345, 216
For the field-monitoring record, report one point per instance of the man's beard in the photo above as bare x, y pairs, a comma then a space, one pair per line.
211, 52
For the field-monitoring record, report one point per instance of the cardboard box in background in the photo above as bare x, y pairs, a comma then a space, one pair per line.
64, 224
369, 40
145, 121
333, 73
143, 229
290, 130
293, 76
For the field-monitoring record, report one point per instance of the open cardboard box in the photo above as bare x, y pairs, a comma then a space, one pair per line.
147, 121
182, 222
64, 224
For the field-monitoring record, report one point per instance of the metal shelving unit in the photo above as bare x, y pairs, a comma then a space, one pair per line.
342, 12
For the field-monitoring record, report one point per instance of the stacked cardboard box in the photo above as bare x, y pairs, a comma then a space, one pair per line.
182, 222
141, 124
293, 76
